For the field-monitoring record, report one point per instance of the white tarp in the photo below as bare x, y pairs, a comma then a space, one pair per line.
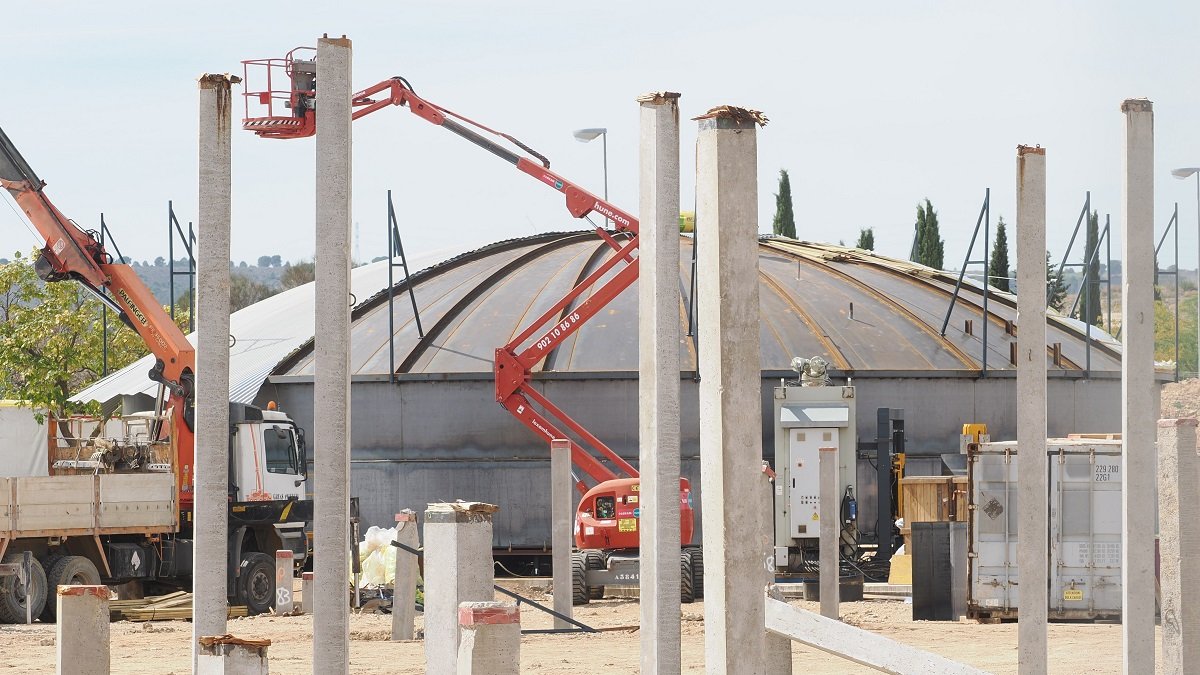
22, 442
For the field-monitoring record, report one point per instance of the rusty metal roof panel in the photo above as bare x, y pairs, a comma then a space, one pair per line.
474, 302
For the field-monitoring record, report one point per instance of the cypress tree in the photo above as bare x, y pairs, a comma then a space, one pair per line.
998, 267
866, 239
784, 223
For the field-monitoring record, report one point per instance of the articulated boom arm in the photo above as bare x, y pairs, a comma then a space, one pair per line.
72, 253
515, 360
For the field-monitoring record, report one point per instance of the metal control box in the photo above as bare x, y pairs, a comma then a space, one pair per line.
1084, 478
806, 420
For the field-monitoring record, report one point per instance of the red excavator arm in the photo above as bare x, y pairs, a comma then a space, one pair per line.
514, 361
72, 253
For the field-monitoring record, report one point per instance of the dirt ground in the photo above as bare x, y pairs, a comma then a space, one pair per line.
163, 647
1180, 399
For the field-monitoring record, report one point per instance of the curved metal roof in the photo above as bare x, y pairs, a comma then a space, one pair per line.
862, 311
264, 334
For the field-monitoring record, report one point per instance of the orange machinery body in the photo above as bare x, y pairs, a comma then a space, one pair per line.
72, 253
609, 515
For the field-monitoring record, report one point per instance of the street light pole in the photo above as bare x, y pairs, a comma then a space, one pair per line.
588, 135
1183, 174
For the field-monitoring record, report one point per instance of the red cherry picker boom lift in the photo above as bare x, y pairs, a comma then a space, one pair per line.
606, 531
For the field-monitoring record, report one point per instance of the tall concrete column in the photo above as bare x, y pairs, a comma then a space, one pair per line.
778, 652
561, 524
1138, 412
658, 383
331, 520
1179, 545
458, 569
730, 393
209, 558
830, 532
1033, 595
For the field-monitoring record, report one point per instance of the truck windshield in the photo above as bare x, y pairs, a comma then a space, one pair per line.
280, 448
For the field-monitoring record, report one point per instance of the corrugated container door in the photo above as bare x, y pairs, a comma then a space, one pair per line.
1085, 532
994, 531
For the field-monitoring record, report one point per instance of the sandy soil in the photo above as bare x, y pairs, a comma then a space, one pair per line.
163, 647
1180, 399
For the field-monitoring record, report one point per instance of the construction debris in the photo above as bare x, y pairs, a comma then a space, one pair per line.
177, 605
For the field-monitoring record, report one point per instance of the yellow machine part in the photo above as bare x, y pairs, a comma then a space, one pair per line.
974, 431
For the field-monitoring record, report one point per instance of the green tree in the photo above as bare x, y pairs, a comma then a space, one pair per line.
866, 239
1089, 308
1164, 334
998, 268
51, 340
244, 291
785, 221
928, 249
298, 274
1056, 288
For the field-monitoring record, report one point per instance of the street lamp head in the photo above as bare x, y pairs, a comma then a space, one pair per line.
585, 135
1180, 173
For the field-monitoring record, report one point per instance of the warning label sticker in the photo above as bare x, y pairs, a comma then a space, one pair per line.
627, 525
1072, 594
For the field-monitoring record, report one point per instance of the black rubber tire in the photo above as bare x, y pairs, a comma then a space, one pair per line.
687, 592
48, 563
697, 555
12, 595
594, 560
579, 590
256, 583
68, 570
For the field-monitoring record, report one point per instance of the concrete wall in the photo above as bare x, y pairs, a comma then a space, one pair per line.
423, 441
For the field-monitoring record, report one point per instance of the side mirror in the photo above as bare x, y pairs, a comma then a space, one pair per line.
302, 454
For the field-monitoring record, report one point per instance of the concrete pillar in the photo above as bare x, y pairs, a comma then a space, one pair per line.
210, 608
1179, 545
491, 638
331, 464
1138, 409
306, 593
285, 570
82, 631
229, 655
404, 597
658, 383
778, 653
830, 533
562, 519
730, 393
1033, 595
458, 569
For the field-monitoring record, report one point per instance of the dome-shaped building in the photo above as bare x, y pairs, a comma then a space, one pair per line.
426, 426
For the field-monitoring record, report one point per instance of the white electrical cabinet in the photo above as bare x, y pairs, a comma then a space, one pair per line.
1084, 532
806, 420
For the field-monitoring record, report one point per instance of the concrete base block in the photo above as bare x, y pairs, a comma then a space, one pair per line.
82, 642
306, 593
857, 645
404, 598
284, 570
458, 569
228, 655
491, 638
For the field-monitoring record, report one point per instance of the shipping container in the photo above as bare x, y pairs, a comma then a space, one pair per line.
1084, 500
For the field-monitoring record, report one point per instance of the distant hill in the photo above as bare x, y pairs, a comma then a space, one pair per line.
157, 276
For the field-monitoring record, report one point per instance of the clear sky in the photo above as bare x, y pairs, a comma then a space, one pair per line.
874, 105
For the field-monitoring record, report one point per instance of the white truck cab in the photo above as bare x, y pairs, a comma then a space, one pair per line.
267, 455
